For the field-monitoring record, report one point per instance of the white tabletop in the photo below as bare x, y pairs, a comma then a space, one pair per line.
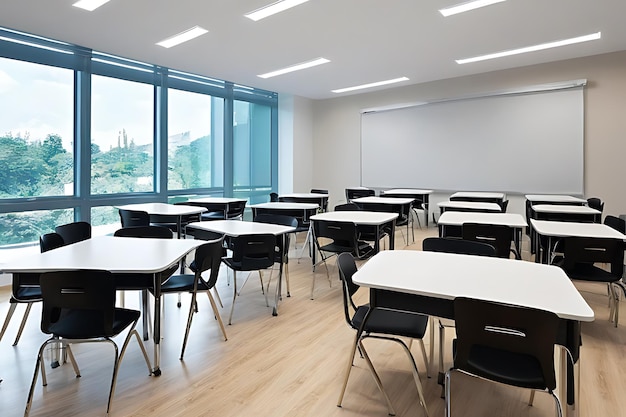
471, 205
555, 198
564, 209
304, 195
383, 200
236, 228
357, 217
447, 276
280, 205
457, 218
216, 200
115, 254
408, 191
163, 209
478, 194
566, 229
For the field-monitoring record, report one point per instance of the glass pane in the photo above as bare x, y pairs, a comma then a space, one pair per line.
122, 136
26, 226
252, 145
36, 130
195, 140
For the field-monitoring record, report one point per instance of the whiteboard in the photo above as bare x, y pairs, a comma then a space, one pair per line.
529, 142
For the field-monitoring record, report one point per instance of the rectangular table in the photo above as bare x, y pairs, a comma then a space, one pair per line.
469, 206
419, 195
168, 210
428, 282
554, 229
483, 197
117, 255
236, 228
457, 218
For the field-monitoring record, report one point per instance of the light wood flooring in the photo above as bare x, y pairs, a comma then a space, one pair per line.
289, 365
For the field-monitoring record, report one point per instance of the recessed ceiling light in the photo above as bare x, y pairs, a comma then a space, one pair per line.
273, 8
185, 36
297, 67
467, 6
90, 5
533, 48
370, 85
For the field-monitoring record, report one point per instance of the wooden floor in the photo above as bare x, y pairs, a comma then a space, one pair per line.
289, 365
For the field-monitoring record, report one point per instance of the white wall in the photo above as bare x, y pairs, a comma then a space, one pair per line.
337, 123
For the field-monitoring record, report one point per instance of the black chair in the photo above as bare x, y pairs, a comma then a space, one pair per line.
458, 246
615, 223
580, 256
382, 324
78, 307
282, 246
250, 253
25, 288
74, 232
504, 205
134, 218
506, 344
497, 235
364, 232
235, 211
416, 206
596, 203
138, 281
352, 193
323, 208
207, 257
343, 238
274, 197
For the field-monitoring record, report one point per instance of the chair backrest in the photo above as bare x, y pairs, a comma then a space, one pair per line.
90, 293
318, 191
615, 223
132, 218
347, 267
50, 241
586, 250
74, 232
347, 207
352, 193
498, 235
283, 221
595, 203
236, 209
253, 252
154, 232
273, 197
341, 233
490, 335
209, 257
504, 205
460, 246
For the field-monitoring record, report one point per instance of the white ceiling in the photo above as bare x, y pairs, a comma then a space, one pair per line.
366, 40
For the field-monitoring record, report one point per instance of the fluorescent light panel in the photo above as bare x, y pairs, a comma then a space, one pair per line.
185, 36
533, 48
89, 5
370, 85
297, 67
270, 9
467, 6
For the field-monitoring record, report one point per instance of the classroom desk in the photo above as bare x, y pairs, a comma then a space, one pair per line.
319, 199
118, 255
217, 203
362, 218
554, 229
235, 228
421, 196
457, 218
164, 209
428, 282
481, 197
469, 206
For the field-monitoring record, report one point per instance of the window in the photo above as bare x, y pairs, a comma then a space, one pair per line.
36, 130
122, 136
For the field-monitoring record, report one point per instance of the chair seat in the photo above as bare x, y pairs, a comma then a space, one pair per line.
27, 294
80, 324
391, 322
182, 283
